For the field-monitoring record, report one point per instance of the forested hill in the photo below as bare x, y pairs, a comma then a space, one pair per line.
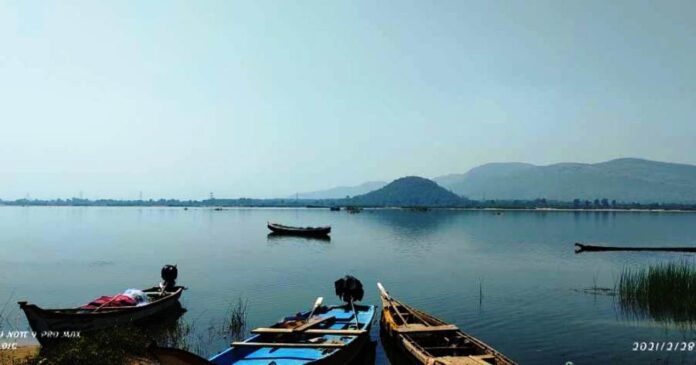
409, 191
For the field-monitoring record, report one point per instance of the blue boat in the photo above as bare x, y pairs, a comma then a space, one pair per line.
332, 335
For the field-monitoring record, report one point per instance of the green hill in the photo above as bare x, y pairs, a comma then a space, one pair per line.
409, 191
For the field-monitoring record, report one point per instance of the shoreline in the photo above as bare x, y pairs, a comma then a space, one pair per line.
492, 209
22, 352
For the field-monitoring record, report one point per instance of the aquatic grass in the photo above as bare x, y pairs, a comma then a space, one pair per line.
234, 326
664, 292
189, 336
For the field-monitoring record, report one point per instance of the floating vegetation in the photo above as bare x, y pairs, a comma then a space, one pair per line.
598, 291
663, 292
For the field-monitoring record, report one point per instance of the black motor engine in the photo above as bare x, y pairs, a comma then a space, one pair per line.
349, 289
169, 275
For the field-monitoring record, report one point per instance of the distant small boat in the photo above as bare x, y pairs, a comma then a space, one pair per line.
162, 300
335, 209
299, 231
354, 209
418, 209
427, 340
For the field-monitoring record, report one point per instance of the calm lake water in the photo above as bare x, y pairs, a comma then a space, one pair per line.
510, 279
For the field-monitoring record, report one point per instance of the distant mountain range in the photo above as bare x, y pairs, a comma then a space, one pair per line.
341, 192
409, 191
624, 180
626, 183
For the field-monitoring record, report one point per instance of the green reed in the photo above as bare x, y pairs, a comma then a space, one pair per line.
664, 292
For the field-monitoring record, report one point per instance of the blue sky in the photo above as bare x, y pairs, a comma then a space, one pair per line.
261, 99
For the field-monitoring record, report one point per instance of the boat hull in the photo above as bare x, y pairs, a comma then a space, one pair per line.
299, 231
395, 350
347, 354
51, 324
394, 346
424, 339
352, 347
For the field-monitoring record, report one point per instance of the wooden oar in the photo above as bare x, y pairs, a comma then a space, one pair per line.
383, 291
317, 303
389, 299
355, 315
107, 302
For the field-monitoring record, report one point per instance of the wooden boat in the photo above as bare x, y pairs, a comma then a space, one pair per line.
581, 247
299, 231
52, 323
424, 339
332, 335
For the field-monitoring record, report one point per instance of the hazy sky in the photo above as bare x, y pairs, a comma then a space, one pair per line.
260, 99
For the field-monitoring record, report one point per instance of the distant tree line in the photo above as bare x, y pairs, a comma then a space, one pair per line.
580, 204
541, 203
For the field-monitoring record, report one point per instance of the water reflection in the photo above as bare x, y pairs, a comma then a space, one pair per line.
367, 355
394, 354
279, 238
404, 220
168, 328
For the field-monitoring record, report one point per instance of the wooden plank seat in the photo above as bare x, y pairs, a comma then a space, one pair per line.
287, 344
263, 330
422, 328
469, 360
313, 322
482, 359
459, 348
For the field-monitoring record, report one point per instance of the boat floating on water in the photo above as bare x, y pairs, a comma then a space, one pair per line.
583, 247
50, 324
424, 339
332, 335
299, 231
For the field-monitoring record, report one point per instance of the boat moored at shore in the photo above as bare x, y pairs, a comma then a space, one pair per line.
51, 324
424, 339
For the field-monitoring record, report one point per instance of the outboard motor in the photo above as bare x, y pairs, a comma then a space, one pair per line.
169, 275
349, 289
